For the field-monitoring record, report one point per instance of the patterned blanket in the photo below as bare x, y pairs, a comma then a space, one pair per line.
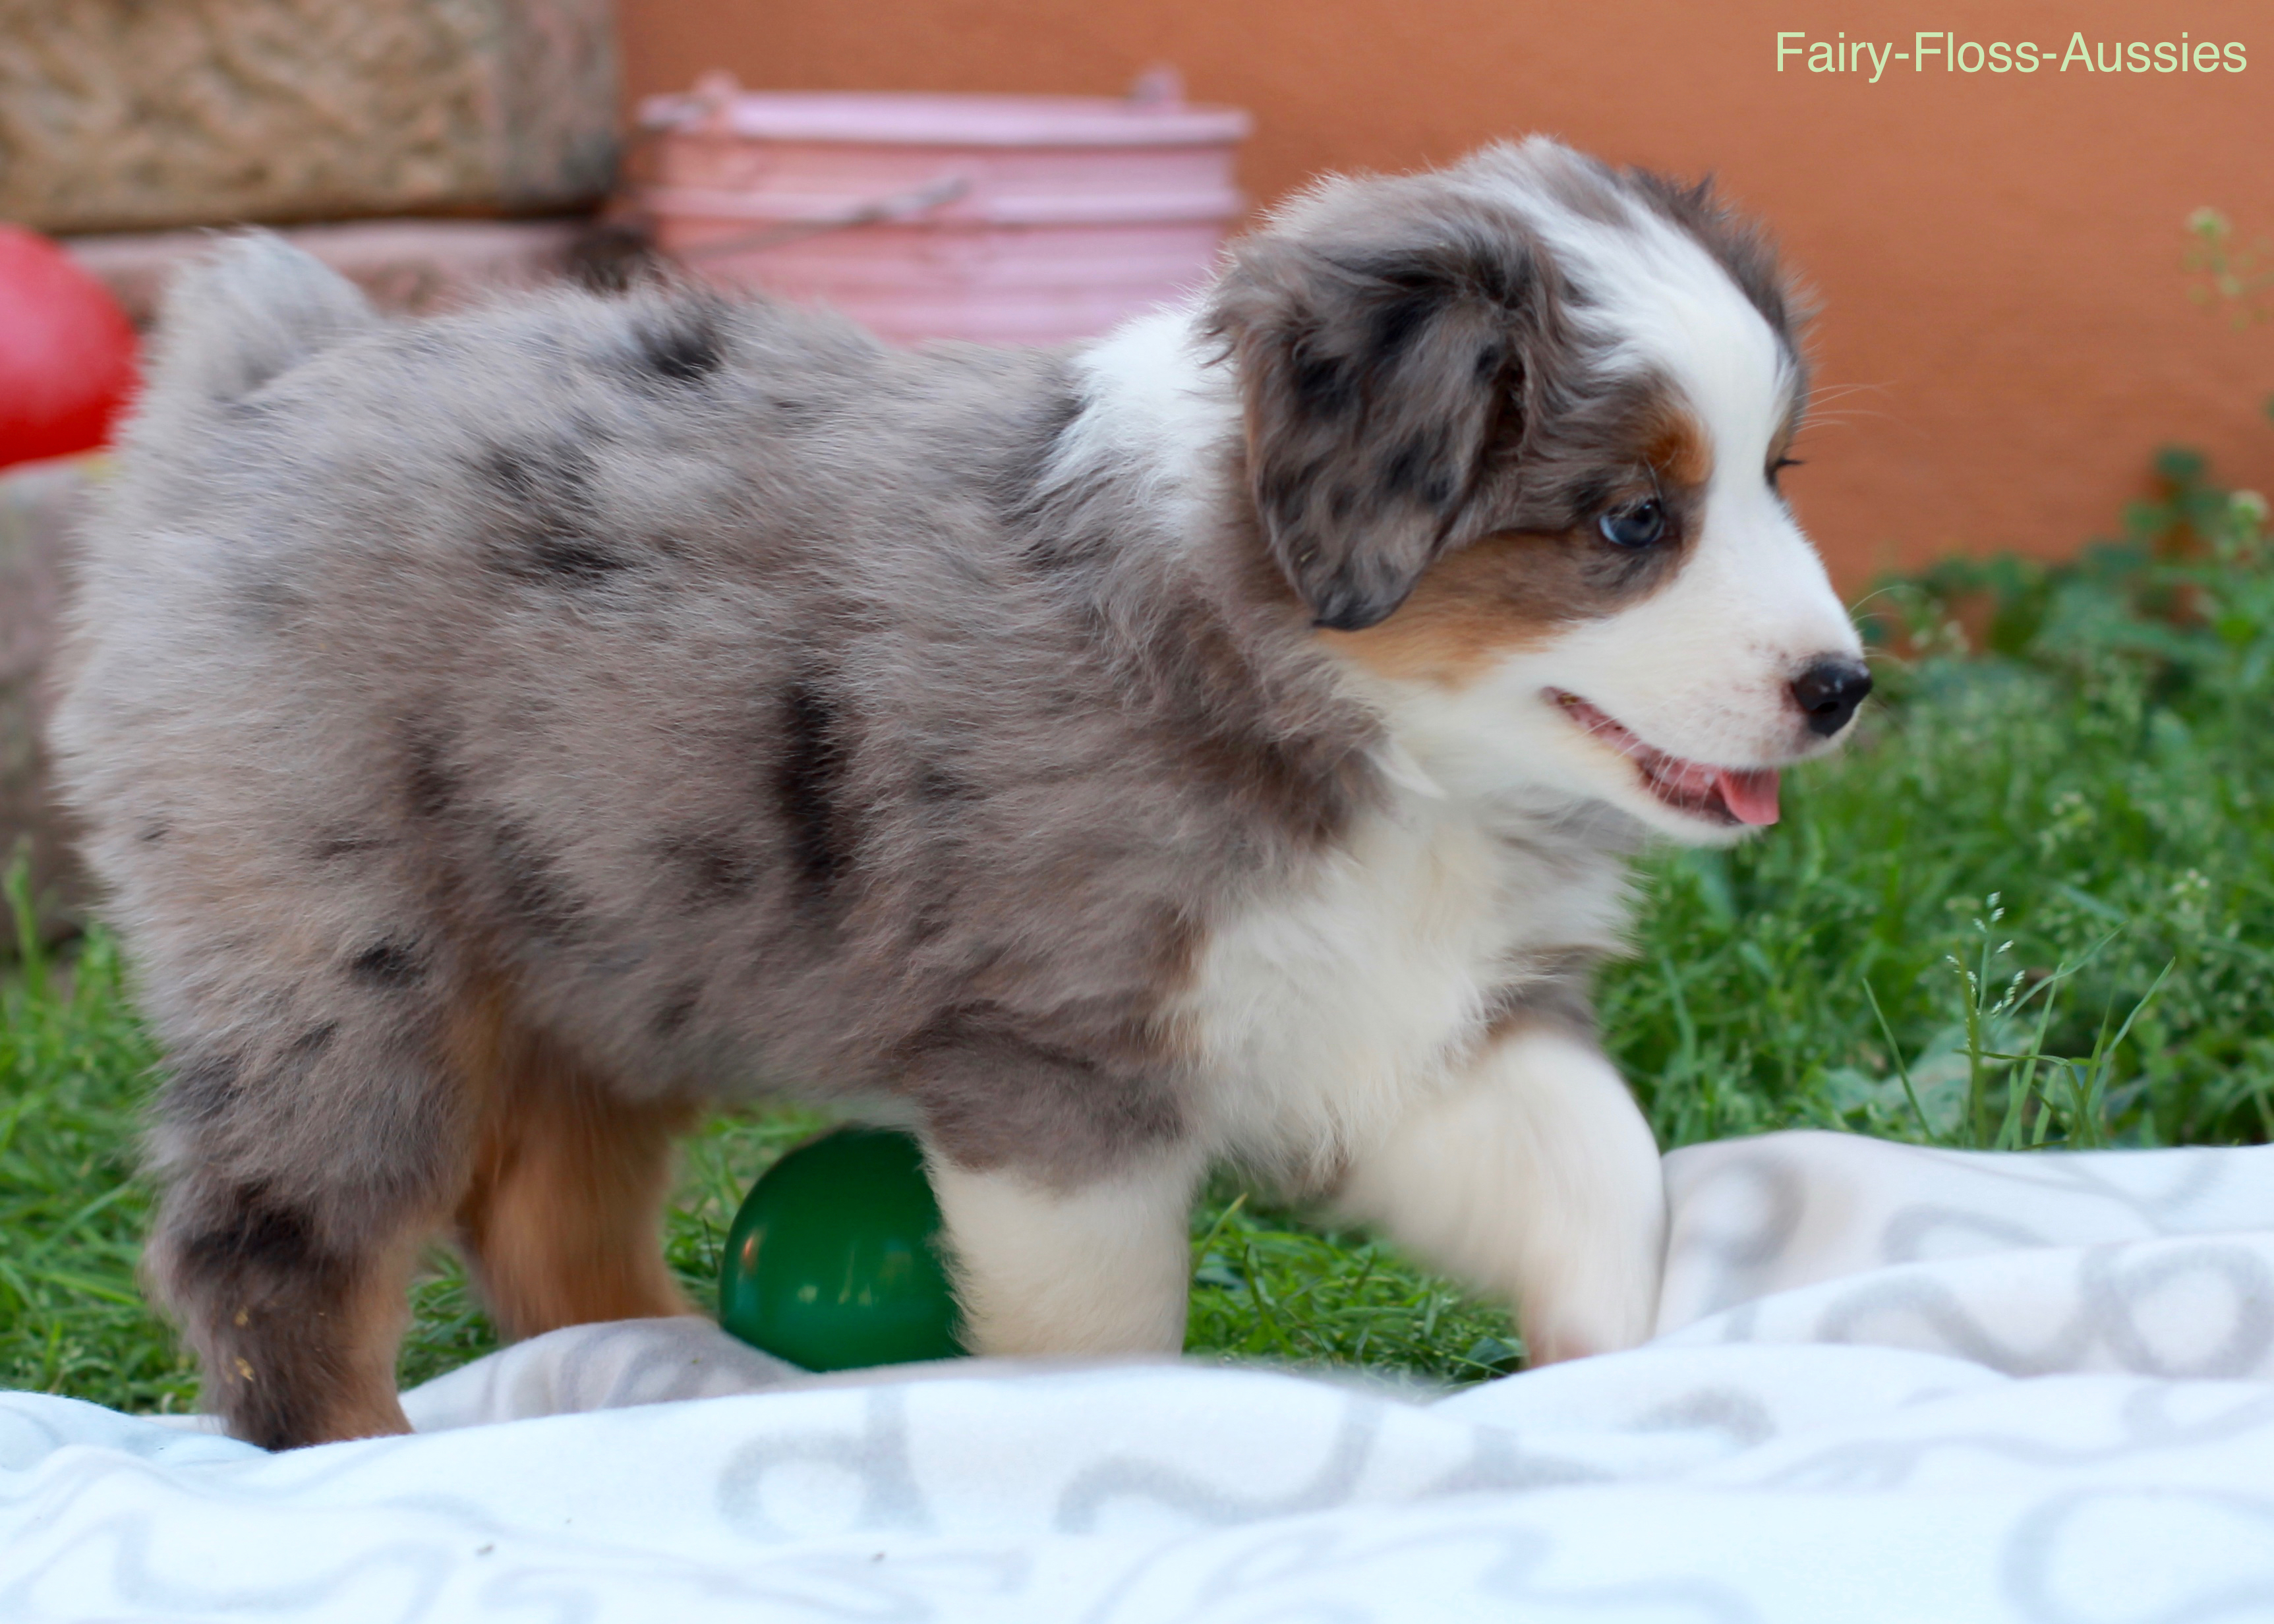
1888, 1383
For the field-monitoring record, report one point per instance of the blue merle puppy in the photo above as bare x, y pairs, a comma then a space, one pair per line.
503, 736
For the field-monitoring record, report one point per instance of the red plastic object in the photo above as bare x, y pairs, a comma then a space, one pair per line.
66, 352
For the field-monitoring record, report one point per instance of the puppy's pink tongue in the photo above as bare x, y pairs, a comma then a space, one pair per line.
1752, 796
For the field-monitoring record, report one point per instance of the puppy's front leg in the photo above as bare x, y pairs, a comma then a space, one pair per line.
1535, 1177
1098, 1268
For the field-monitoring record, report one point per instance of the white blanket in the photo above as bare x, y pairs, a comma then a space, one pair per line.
1889, 1383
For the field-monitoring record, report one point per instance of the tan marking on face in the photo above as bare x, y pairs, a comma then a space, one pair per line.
1678, 451
1474, 608
1509, 592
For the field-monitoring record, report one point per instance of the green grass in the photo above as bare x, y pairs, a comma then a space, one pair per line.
2033, 906
72, 1064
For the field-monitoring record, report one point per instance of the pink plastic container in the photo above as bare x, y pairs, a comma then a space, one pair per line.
1011, 219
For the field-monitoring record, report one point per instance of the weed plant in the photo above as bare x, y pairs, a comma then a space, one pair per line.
2032, 906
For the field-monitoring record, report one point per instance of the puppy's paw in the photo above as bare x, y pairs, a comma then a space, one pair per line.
1596, 1316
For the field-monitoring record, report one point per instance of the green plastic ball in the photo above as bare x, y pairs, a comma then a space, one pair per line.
834, 1261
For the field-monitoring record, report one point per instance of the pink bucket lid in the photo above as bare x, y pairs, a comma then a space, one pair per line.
872, 117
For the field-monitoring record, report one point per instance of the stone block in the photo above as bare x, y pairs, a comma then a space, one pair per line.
137, 115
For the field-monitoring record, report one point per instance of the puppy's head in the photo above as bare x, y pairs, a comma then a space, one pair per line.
1513, 432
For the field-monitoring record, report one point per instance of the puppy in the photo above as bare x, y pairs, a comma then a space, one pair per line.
502, 735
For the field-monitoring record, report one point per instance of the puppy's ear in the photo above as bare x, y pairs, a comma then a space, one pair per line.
1378, 367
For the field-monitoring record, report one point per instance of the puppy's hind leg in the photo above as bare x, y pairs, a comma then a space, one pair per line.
295, 1309
306, 1154
1535, 1177
562, 1219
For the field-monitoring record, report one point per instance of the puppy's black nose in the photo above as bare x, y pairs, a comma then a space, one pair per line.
1828, 693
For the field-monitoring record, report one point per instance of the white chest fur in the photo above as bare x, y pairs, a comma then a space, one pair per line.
1321, 1010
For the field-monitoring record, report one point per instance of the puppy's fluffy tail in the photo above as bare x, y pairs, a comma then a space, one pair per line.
248, 311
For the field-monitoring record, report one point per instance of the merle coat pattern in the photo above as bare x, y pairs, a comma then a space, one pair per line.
502, 735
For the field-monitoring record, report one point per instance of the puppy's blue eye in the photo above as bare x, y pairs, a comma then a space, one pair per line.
1638, 524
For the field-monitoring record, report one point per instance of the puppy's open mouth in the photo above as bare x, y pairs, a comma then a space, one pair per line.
1718, 794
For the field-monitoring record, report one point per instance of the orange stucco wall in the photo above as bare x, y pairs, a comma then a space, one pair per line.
2005, 333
